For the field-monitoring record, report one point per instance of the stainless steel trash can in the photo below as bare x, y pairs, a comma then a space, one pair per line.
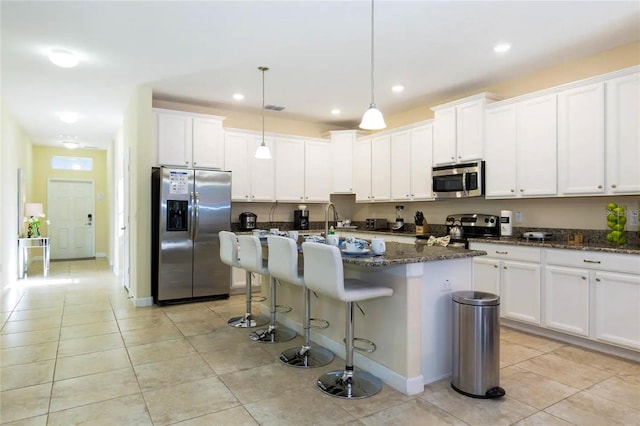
476, 344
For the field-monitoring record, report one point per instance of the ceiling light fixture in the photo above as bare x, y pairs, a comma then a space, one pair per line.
238, 96
69, 142
63, 58
398, 88
263, 150
335, 111
372, 118
502, 47
68, 117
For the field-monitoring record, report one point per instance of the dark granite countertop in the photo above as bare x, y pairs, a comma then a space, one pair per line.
586, 246
399, 253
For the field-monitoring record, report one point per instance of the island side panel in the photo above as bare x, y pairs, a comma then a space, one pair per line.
439, 280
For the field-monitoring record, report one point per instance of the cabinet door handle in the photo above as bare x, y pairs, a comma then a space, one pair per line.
591, 261
194, 163
522, 190
614, 185
599, 186
513, 190
495, 266
504, 267
502, 252
584, 278
598, 279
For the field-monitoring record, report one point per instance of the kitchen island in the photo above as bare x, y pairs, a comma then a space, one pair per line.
412, 329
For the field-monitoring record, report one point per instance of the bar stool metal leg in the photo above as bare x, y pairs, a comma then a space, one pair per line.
248, 320
273, 334
348, 383
307, 356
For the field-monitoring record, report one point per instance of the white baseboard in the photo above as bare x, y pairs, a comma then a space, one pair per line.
101, 255
406, 385
142, 301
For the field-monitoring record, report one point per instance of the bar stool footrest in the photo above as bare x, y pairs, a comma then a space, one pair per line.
361, 349
258, 299
324, 323
349, 384
306, 357
283, 309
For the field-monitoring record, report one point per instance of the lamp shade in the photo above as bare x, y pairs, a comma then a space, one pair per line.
33, 209
373, 119
263, 152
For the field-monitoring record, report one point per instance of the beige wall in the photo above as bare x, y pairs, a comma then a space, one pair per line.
43, 172
138, 139
15, 153
611, 60
249, 121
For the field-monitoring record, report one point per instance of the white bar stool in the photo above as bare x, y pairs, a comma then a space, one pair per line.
229, 256
324, 273
250, 252
283, 265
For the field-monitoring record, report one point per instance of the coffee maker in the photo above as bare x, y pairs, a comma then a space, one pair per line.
301, 219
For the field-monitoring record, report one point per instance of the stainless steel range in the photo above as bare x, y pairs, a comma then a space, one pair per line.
474, 225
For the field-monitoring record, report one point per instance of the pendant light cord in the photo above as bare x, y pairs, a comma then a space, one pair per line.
372, 31
263, 69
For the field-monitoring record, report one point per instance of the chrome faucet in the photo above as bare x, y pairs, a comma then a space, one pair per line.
326, 217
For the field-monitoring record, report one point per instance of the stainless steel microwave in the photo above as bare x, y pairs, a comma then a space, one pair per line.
458, 180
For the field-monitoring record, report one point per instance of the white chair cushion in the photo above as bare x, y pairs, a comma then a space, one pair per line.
229, 249
250, 252
356, 290
283, 260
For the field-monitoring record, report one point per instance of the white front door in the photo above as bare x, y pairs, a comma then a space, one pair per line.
72, 219
123, 221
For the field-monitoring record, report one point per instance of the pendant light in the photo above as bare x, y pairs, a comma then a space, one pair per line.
263, 150
372, 118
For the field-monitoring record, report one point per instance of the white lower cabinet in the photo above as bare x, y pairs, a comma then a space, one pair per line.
566, 299
617, 309
486, 275
520, 291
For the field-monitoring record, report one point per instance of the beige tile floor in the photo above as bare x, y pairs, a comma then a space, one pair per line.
75, 351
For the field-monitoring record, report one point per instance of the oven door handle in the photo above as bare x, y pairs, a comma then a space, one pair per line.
464, 182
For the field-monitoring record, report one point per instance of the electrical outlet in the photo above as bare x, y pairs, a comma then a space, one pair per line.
633, 217
518, 217
445, 285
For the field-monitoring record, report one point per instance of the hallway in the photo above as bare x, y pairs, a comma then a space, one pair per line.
75, 351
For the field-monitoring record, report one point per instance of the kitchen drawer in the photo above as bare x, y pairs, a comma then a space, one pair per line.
503, 251
627, 263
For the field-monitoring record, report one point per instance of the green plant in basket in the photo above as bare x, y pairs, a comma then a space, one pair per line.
616, 220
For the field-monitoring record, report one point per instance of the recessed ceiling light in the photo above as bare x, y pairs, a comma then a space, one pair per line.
398, 88
70, 144
335, 111
63, 58
238, 96
502, 47
68, 116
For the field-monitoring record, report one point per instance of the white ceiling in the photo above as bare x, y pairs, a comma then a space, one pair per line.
202, 52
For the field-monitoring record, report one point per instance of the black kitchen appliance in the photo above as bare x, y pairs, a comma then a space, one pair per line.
301, 219
474, 225
248, 221
376, 224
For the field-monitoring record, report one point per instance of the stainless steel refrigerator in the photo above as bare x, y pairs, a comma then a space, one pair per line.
189, 208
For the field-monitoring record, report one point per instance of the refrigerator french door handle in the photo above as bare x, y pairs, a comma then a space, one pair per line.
191, 213
196, 214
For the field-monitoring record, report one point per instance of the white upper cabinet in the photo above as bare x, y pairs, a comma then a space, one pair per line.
411, 164
189, 140
289, 169
381, 168
317, 171
342, 142
421, 162
362, 169
252, 179
458, 130
400, 166
581, 140
520, 151
536, 148
623, 134
500, 152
